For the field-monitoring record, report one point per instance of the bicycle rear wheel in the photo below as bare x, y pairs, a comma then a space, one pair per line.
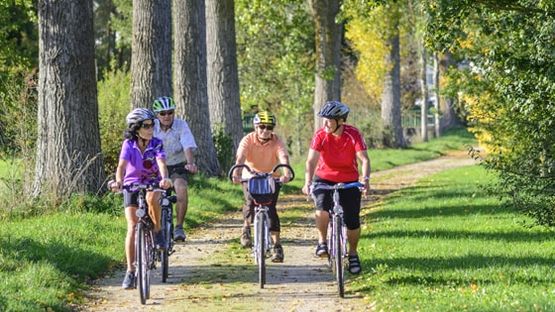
261, 249
338, 254
142, 262
165, 254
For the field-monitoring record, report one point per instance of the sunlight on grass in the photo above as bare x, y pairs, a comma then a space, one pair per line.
446, 245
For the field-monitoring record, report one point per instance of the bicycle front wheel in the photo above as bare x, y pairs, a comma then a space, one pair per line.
164, 254
142, 261
261, 249
338, 254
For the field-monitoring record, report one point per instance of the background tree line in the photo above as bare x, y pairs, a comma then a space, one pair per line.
488, 62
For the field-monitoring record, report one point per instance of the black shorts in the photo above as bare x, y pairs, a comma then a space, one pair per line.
178, 171
349, 200
130, 198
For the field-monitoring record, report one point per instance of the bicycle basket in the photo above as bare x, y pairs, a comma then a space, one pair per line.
262, 188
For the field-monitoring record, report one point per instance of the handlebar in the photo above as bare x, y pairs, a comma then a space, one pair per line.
337, 186
134, 187
230, 173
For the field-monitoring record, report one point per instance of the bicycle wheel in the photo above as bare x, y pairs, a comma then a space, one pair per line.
164, 254
338, 255
261, 249
142, 262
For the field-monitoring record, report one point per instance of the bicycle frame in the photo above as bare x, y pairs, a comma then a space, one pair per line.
262, 240
337, 232
166, 202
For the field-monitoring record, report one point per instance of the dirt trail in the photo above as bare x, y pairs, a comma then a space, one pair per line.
210, 272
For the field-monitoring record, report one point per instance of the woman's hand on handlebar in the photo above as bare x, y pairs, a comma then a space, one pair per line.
284, 179
236, 179
115, 186
165, 183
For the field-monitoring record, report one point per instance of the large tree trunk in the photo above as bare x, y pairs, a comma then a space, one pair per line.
223, 78
151, 52
448, 116
424, 88
190, 78
328, 44
68, 145
391, 98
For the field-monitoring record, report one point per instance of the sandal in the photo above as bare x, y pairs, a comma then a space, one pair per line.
354, 264
321, 250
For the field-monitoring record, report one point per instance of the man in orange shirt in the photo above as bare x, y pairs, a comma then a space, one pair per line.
262, 150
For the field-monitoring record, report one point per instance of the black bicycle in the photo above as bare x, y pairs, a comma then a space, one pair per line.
261, 188
166, 227
337, 232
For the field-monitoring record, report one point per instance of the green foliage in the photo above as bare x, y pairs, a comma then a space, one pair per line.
114, 100
507, 91
275, 46
224, 148
446, 244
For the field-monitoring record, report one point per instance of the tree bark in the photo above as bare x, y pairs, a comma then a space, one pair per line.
190, 79
68, 145
223, 78
151, 71
328, 45
391, 98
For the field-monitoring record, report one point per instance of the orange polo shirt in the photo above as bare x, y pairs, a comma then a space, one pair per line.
261, 157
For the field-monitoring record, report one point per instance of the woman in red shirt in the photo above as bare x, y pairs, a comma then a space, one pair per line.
332, 158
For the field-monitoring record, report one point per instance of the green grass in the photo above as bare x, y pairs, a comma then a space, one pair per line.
446, 245
455, 139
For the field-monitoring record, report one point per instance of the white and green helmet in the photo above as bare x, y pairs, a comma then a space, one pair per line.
162, 104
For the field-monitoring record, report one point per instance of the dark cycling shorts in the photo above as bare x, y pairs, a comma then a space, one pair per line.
178, 171
349, 200
130, 198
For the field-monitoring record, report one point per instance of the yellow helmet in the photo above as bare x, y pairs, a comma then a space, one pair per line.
264, 117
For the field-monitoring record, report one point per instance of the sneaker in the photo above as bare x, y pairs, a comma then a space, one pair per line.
159, 241
354, 264
128, 280
278, 254
322, 250
246, 237
178, 234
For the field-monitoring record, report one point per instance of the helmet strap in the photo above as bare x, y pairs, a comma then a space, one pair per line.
337, 126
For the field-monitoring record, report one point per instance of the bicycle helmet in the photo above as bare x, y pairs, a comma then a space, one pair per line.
334, 110
139, 115
163, 103
264, 117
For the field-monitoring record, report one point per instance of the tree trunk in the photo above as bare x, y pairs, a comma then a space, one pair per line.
68, 145
391, 98
448, 115
190, 79
223, 78
151, 52
424, 88
437, 103
328, 45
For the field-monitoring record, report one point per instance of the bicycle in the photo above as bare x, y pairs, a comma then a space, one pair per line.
337, 232
145, 253
166, 227
261, 187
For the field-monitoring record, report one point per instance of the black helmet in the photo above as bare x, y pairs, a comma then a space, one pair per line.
334, 110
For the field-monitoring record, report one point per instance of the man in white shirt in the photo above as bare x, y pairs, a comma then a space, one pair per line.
179, 145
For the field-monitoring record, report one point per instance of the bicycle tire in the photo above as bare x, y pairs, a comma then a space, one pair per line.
165, 254
261, 249
338, 255
142, 265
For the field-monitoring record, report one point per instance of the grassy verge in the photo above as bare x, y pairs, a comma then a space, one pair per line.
446, 245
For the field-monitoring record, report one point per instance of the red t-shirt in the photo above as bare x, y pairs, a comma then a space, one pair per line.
338, 161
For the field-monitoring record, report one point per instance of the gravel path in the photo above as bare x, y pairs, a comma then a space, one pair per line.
210, 272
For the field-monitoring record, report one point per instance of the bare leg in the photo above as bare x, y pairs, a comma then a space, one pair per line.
130, 215
322, 220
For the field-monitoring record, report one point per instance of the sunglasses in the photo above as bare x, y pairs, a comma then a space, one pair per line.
147, 125
262, 127
169, 113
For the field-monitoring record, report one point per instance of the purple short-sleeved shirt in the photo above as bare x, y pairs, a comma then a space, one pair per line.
142, 167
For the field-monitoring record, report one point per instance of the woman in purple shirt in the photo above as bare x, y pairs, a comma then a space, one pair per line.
142, 160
